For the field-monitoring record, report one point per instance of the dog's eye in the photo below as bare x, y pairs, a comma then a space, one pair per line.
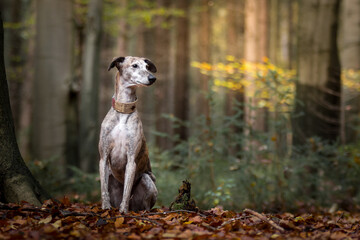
135, 66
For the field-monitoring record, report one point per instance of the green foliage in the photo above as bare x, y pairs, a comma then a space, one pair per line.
134, 13
317, 174
230, 163
80, 186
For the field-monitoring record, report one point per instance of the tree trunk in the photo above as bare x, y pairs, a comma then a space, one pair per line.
349, 50
204, 48
280, 41
235, 46
52, 74
256, 41
89, 127
318, 88
16, 181
162, 60
182, 68
16, 64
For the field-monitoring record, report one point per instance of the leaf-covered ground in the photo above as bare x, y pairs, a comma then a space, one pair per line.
66, 220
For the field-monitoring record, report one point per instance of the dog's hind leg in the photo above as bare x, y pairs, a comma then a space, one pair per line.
144, 194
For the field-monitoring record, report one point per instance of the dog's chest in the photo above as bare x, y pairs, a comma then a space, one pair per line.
127, 129
126, 138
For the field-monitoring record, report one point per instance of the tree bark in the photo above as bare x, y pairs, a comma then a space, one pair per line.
318, 88
235, 46
16, 63
16, 181
204, 48
89, 128
162, 59
256, 47
349, 50
182, 68
52, 75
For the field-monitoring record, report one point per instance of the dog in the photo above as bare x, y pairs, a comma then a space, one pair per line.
126, 178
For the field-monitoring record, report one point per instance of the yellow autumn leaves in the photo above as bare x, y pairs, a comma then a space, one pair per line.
351, 79
271, 85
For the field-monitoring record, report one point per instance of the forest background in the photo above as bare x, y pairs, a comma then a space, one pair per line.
256, 102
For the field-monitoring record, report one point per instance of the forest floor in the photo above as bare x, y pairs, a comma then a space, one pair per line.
66, 220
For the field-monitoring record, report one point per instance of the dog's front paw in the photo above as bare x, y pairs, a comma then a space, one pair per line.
105, 205
123, 208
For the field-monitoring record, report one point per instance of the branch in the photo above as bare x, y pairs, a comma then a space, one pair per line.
229, 221
264, 219
27, 209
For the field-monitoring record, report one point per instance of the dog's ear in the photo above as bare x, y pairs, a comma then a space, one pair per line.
150, 66
116, 63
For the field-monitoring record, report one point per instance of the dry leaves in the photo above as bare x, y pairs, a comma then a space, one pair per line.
73, 220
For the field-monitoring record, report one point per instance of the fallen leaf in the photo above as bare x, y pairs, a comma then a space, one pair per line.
119, 222
196, 219
46, 220
57, 224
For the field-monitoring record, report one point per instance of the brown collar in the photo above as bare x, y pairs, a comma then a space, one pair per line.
124, 107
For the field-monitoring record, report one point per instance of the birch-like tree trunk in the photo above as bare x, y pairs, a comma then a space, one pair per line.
318, 88
89, 126
52, 74
16, 181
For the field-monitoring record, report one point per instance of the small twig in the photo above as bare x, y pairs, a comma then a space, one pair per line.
27, 209
264, 219
341, 216
173, 211
229, 221
66, 213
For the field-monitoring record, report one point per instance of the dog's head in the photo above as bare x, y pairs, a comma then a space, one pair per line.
135, 71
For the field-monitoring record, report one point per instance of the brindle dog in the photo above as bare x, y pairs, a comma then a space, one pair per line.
125, 172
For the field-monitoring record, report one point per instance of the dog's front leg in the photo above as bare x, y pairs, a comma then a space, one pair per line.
128, 183
104, 182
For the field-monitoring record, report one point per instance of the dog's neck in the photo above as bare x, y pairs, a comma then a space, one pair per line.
124, 94
124, 100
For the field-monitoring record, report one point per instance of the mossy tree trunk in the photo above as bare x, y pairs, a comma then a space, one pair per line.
16, 181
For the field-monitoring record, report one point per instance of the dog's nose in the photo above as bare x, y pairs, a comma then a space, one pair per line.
151, 78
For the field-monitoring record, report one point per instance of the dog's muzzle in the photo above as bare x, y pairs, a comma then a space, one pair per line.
151, 79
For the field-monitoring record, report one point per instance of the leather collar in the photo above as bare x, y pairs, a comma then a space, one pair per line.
126, 108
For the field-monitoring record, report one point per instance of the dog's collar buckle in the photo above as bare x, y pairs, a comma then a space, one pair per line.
126, 108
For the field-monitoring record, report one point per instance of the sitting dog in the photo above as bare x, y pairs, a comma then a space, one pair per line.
125, 172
